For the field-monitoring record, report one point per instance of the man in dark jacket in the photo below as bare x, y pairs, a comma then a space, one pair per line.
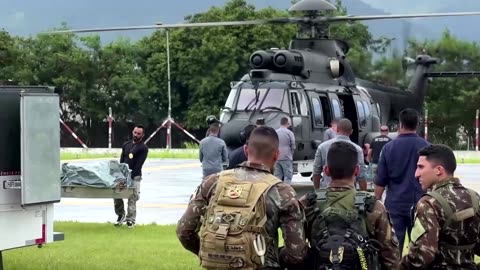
134, 153
396, 171
238, 156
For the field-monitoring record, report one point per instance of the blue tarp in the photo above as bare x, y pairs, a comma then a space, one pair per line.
100, 173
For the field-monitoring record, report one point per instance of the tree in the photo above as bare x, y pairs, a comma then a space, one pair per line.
205, 60
452, 102
8, 56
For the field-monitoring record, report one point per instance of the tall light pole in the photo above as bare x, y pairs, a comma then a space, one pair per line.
169, 119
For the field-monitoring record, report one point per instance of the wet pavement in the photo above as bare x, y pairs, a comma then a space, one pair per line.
166, 188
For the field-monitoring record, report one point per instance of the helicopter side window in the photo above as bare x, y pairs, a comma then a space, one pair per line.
366, 107
299, 103
317, 112
361, 114
295, 103
337, 113
379, 112
303, 104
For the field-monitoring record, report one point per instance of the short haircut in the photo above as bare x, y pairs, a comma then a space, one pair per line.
440, 155
214, 128
140, 126
409, 119
260, 121
344, 125
248, 130
284, 121
342, 160
263, 142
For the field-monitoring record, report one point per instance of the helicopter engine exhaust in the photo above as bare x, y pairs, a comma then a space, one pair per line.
262, 59
284, 61
290, 62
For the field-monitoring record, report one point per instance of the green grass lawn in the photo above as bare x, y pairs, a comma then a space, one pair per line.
469, 161
95, 246
153, 153
187, 154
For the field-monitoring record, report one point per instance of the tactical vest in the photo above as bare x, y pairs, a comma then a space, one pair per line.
234, 223
339, 232
453, 220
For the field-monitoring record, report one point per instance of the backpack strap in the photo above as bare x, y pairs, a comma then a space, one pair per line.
474, 197
264, 186
259, 190
457, 216
445, 206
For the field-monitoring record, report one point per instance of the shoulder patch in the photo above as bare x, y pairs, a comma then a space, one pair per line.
417, 231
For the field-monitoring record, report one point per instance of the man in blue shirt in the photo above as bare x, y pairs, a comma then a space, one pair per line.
213, 151
284, 164
396, 171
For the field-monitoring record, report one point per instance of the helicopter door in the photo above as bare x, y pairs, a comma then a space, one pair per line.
321, 117
344, 106
299, 112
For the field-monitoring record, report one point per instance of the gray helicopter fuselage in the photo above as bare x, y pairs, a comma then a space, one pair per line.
311, 107
312, 84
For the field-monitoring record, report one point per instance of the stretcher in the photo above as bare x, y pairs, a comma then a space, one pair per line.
97, 192
96, 180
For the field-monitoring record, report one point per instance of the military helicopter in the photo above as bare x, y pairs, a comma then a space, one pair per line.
312, 83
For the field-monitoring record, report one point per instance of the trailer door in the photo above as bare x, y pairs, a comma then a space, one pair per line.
40, 148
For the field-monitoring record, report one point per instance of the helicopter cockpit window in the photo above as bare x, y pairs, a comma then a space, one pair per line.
275, 99
317, 112
361, 114
262, 99
230, 98
337, 112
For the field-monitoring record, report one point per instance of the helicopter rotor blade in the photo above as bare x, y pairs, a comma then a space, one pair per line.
394, 16
180, 25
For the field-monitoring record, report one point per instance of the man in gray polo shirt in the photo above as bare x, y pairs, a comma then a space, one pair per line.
344, 130
213, 151
286, 145
331, 132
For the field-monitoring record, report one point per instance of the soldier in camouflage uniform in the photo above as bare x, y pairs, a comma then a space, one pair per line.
446, 230
342, 168
282, 208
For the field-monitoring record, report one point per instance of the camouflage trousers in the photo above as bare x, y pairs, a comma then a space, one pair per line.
132, 202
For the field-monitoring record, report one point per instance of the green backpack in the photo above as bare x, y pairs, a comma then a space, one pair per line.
339, 236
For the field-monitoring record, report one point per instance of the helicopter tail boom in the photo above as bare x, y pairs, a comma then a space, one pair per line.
452, 74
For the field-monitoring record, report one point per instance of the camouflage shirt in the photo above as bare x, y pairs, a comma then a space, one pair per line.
429, 242
379, 226
283, 211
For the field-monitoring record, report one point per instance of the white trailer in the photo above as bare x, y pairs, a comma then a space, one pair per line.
29, 166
